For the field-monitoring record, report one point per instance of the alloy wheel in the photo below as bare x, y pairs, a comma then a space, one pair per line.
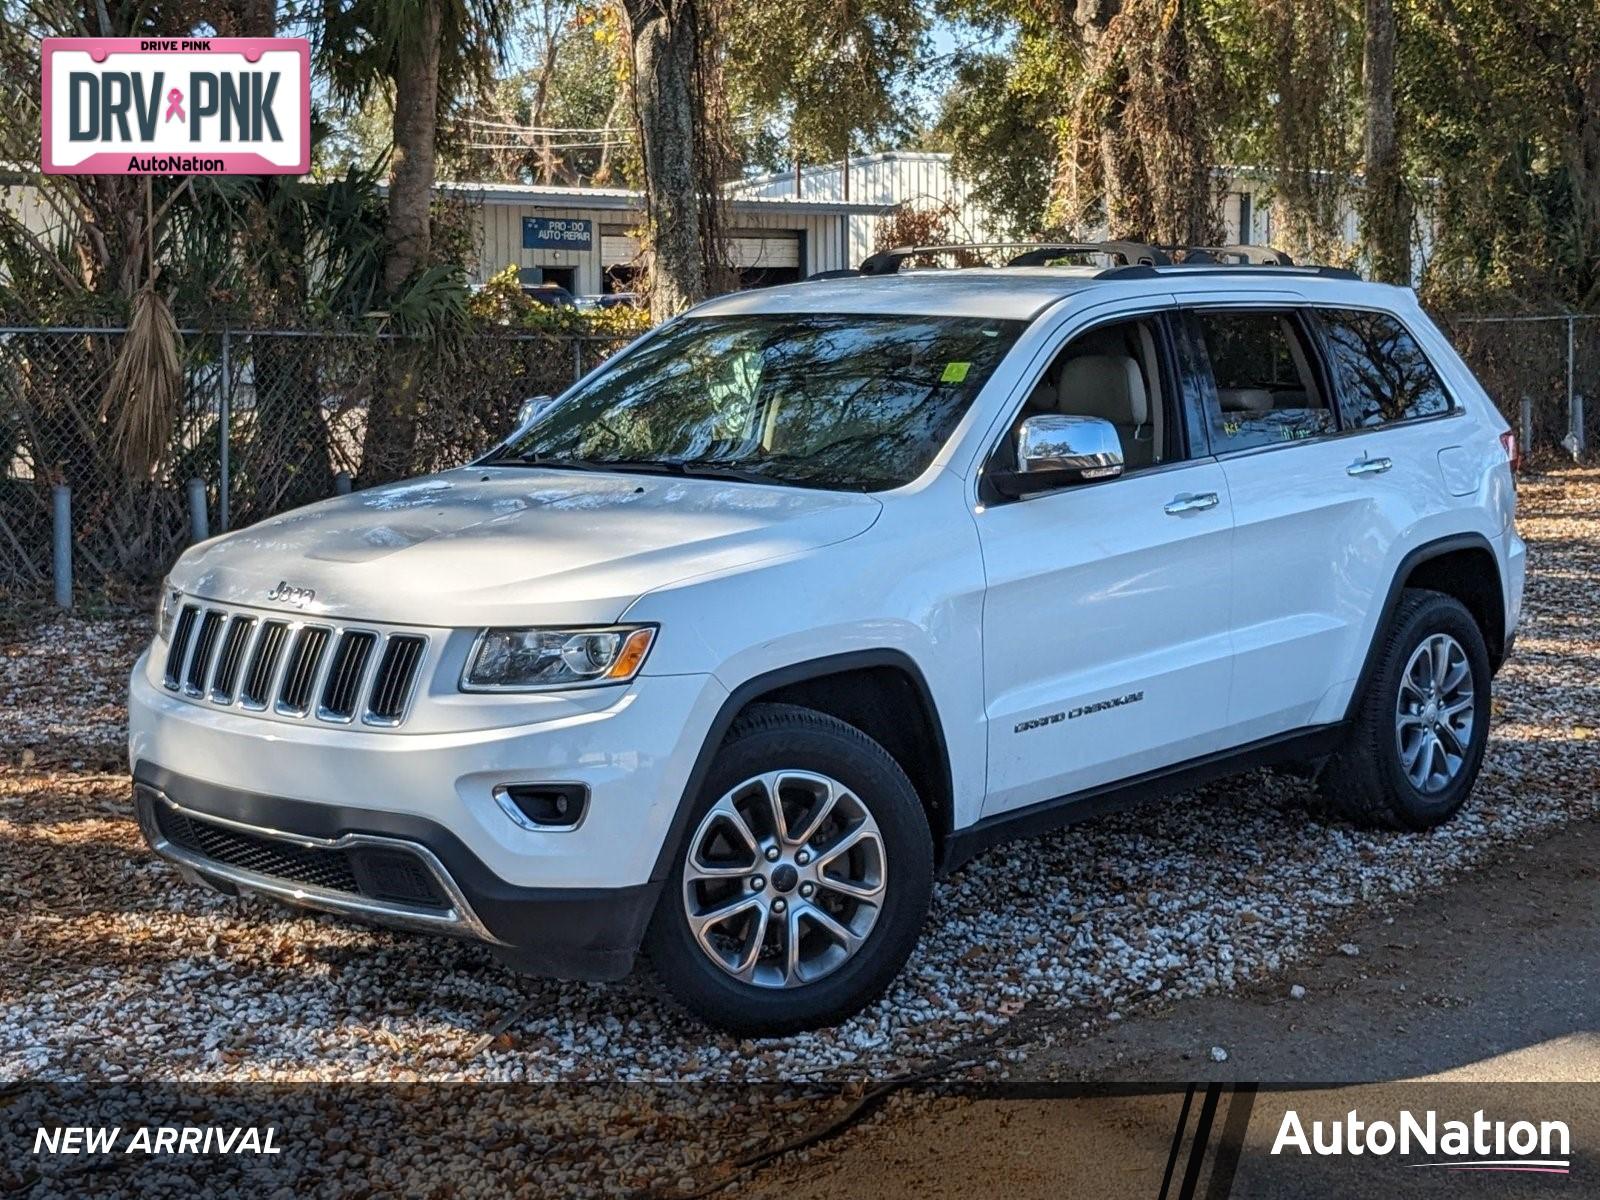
785, 878
1435, 713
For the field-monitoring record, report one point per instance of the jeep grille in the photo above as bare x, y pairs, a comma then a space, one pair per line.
295, 669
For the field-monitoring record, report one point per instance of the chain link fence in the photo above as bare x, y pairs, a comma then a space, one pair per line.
273, 419
269, 420
1544, 375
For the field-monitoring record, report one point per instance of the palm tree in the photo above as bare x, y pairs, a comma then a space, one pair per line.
422, 54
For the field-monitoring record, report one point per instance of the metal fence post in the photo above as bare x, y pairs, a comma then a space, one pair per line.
1574, 421
225, 436
1527, 424
198, 531
61, 543
1579, 441
341, 483
577, 359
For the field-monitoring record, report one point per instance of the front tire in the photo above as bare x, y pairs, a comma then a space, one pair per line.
1422, 725
803, 882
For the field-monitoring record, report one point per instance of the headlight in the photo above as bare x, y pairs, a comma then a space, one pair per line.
167, 610
520, 659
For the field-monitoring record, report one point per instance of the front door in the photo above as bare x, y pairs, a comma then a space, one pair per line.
1106, 623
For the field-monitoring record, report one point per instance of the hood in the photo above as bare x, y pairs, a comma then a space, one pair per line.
510, 545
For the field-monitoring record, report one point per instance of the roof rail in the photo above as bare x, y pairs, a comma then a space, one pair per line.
888, 262
1236, 255
1144, 271
1132, 254
1130, 260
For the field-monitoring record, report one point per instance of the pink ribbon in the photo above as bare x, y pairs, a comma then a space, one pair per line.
175, 105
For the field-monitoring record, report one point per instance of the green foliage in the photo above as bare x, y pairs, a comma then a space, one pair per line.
361, 45
573, 86
502, 302
836, 73
1504, 108
997, 123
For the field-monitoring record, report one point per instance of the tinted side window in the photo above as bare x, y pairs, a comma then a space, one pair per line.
1383, 374
1267, 390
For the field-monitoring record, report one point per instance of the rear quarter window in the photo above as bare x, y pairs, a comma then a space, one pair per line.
1382, 373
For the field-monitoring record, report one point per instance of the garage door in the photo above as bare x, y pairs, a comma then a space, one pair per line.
618, 249
767, 250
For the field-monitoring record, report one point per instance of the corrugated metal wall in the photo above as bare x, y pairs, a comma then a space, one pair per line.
761, 239
921, 180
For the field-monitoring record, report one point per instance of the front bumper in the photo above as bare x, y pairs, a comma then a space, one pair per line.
392, 869
403, 827
633, 749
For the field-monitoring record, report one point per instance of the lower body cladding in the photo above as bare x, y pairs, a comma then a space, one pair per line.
392, 829
387, 868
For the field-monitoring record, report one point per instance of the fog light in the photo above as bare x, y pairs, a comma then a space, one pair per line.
543, 806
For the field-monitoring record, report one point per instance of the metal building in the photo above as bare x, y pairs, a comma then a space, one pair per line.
585, 239
918, 179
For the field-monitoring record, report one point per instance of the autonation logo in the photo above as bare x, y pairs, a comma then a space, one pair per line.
1476, 1145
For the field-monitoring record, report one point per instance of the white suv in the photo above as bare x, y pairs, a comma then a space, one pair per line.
817, 591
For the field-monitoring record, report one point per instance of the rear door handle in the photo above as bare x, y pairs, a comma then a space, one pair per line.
1369, 466
1193, 502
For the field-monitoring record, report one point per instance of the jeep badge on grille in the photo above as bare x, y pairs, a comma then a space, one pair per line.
297, 596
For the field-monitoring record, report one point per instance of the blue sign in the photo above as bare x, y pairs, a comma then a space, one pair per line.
557, 233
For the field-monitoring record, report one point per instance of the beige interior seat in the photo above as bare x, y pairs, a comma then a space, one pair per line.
1110, 386
1244, 399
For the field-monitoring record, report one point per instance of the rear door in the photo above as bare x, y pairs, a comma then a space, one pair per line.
1313, 526
1105, 627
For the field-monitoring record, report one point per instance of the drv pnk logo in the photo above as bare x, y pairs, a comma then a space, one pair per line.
191, 106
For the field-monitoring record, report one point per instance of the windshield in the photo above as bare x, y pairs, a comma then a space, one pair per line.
829, 401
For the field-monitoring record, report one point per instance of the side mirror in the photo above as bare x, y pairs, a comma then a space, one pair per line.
532, 409
1057, 451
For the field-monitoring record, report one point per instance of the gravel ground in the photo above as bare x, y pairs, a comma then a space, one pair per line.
116, 970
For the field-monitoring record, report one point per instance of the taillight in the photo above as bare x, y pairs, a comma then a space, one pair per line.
1508, 442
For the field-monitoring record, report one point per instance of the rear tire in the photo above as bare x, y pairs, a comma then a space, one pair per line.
841, 863
1421, 726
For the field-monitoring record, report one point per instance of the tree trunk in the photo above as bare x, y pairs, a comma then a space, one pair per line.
1125, 214
391, 434
1385, 211
1179, 169
416, 120
1152, 155
664, 38
1583, 157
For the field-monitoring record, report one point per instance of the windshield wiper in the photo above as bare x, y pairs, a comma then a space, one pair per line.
554, 462
636, 466
689, 469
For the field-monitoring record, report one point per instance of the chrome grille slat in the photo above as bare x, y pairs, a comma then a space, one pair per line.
346, 674
394, 680
300, 672
263, 670
178, 650
205, 643
235, 647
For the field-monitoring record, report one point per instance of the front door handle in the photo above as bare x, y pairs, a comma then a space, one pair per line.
1190, 503
1369, 466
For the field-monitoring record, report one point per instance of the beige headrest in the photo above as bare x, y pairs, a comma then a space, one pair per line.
1108, 386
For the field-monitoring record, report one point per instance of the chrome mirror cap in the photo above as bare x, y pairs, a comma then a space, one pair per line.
1084, 447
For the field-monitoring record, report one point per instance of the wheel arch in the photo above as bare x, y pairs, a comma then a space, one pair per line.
847, 686
1462, 565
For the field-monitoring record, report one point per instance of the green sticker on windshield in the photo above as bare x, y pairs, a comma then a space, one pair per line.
955, 372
